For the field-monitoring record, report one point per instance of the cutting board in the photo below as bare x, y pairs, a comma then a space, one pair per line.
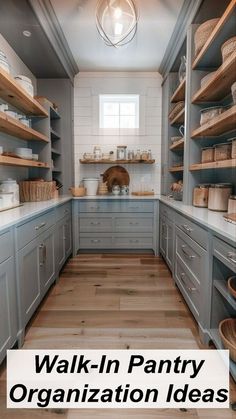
116, 175
230, 218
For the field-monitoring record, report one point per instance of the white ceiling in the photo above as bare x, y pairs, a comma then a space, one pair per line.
144, 53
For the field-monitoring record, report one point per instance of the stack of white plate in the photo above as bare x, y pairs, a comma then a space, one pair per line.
24, 153
26, 83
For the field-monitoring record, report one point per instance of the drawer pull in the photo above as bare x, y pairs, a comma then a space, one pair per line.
186, 253
134, 241
95, 241
40, 226
232, 257
187, 228
182, 276
134, 208
95, 208
133, 224
95, 223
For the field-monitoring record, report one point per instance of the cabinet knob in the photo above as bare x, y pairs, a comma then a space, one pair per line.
187, 228
232, 257
95, 241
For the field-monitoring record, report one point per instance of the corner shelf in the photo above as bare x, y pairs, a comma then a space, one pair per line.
14, 161
221, 286
179, 93
224, 164
217, 341
178, 145
15, 128
56, 152
176, 169
219, 85
224, 29
117, 161
14, 94
179, 118
218, 125
54, 114
54, 135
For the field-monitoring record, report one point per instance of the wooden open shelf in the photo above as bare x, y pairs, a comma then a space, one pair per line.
219, 35
178, 145
14, 94
224, 164
179, 93
178, 119
15, 128
220, 85
14, 161
82, 161
218, 125
176, 169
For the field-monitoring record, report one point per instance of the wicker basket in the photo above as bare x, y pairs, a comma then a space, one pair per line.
228, 48
206, 78
176, 109
203, 32
227, 330
233, 90
35, 191
78, 191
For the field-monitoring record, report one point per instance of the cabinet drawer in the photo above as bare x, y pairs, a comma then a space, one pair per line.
144, 242
133, 224
166, 212
225, 253
98, 242
31, 229
191, 254
62, 211
6, 248
188, 287
94, 224
192, 230
115, 206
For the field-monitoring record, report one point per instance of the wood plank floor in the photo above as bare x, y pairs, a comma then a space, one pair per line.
113, 302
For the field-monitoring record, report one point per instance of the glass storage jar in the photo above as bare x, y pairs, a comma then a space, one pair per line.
121, 152
208, 154
232, 204
200, 195
218, 196
223, 151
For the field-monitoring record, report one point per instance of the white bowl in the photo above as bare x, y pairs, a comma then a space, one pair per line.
24, 153
26, 83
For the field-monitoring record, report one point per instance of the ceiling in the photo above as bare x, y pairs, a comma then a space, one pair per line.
144, 53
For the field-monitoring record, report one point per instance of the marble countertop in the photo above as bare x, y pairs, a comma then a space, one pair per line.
119, 197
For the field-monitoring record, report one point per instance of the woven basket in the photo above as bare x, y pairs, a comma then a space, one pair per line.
228, 48
233, 90
35, 191
203, 32
78, 191
176, 109
232, 285
227, 330
206, 78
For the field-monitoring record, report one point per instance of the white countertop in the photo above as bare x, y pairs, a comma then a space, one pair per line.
119, 197
213, 220
29, 209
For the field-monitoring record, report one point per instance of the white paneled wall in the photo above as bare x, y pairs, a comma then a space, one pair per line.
88, 87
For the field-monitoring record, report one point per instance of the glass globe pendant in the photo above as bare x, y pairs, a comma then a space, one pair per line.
116, 21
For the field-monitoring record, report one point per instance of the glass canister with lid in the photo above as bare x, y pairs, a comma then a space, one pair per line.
200, 195
11, 186
218, 196
121, 152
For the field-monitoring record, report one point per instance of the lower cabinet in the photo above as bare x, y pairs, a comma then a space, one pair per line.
167, 239
63, 241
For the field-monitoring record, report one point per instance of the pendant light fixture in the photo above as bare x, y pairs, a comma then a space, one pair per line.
117, 21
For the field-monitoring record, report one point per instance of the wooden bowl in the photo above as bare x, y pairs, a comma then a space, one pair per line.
227, 330
77, 191
232, 285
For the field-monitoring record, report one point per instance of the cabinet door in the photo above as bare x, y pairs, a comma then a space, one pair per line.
29, 278
8, 307
170, 244
163, 236
47, 261
60, 253
67, 237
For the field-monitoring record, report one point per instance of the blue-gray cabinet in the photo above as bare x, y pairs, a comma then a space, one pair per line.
167, 235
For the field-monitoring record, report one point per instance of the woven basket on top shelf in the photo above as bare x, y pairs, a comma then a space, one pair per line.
36, 190
176, 109
228, 48
203, 32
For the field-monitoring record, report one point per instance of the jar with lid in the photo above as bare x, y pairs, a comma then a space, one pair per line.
121, 152
11, 186
208, 154
232, 204
97, 153
149, 154
138, 154
200, 195
218, 196
144, 155
223, 151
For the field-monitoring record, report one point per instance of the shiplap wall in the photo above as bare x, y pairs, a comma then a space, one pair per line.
88, 87
9, 143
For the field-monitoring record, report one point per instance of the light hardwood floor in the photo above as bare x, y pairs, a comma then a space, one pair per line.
113, 302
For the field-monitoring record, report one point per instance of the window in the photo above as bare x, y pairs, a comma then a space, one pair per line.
119, 111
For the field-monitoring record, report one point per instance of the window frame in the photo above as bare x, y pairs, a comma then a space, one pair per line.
119, 98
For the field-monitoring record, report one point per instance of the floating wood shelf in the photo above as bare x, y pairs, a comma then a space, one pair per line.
82, 161
14, 94
14, 161
220, 84
219, 35
224, 164
178, 119
177, 145
176, 169
179, 93
15, 128
218, 125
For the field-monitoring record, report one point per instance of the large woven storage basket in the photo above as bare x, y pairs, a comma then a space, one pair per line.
176, 109
35, 191
203, 32
228, 48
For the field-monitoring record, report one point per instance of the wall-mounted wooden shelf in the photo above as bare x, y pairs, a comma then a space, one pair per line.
178, 119
15, 128
176, 169
218, 125
178, 145
224, 164
117, 161
220, 84
224, 29
14, 94
179, 93
14, 161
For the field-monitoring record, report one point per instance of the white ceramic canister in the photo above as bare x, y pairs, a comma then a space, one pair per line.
218, 196
7, 199
11, 186
232, 205
91, 185
26, 83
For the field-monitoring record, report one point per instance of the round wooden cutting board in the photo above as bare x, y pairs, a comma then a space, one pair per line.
116, 175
